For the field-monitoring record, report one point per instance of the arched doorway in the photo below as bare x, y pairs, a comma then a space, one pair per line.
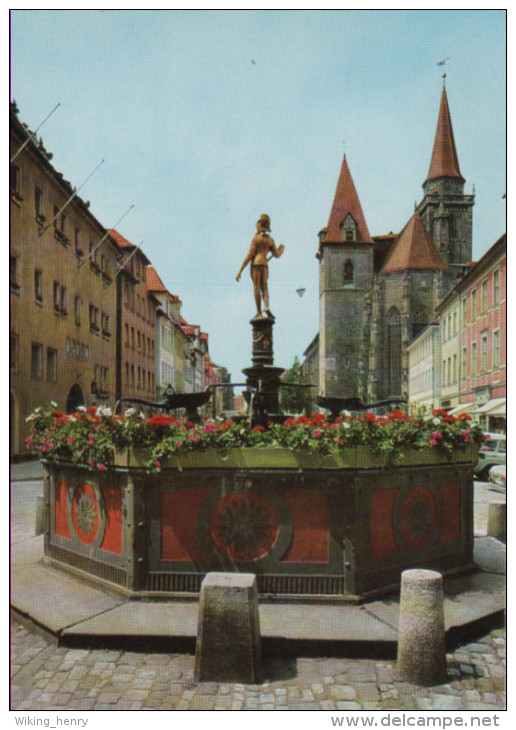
75, 398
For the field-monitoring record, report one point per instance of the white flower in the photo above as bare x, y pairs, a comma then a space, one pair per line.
53, 403
104, 411
436, 421
72, 419
346, 413
345, 425
82, 409
130, 412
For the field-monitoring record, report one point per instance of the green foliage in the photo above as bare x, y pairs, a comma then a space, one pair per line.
294, 400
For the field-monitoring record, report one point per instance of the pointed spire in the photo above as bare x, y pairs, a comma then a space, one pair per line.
346, 203
413, 249
445, 162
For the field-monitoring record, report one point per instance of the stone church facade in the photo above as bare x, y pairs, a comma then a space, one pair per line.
378, 292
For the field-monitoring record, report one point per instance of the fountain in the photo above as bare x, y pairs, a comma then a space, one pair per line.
344, 526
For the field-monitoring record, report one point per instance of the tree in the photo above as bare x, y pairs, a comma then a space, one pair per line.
294, 400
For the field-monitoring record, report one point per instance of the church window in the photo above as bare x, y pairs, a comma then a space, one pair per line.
419, 321
394, 351
348, 271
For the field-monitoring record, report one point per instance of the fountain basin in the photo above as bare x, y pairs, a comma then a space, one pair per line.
342, 527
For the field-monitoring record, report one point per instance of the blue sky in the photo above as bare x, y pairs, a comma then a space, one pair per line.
206, 119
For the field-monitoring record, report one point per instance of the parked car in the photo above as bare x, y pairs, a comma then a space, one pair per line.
498, 477
491, 453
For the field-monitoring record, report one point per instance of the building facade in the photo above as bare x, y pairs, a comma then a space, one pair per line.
136, 326
481, 297
63, 291
171, 342
424, 358
377, 293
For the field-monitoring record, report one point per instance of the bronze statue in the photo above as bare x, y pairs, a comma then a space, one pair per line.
261, 245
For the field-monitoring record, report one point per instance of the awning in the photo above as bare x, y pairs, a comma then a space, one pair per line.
494, 407
463, 408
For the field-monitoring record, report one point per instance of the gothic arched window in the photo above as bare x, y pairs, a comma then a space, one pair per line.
393, 365
348, 271
419, 320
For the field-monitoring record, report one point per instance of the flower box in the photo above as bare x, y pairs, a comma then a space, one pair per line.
360, 457
318, 517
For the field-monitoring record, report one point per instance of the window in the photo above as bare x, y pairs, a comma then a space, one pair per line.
13, 274
56, 218
464, 311
127, 335
38, 204
14, 182
132, 338
77, 304
51, 365
455, 323
94, 313
496, 287
139, 339
132, 375
77, 242
36, 361
38, 285
484, 297
455, 368
496, 349
349, 235
105, 325
483, 352
448, 381
64, 306
93, 257
473, 305
57, 296
474, 358
348, 267
463, 362
127, 373
13, 352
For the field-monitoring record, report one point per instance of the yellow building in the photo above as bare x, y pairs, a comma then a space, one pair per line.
63, 291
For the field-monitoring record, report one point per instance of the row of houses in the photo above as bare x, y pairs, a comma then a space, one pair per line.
91, 320
458, 362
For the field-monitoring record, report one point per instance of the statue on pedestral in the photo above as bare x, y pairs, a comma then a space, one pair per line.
261, 245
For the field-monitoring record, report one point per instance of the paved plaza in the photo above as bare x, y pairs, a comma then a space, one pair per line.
50, 677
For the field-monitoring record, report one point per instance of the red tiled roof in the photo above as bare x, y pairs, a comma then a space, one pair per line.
444, 162
120, 240
154, 283
413, 249
346, 202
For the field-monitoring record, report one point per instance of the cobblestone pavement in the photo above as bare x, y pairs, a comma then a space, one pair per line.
45, 677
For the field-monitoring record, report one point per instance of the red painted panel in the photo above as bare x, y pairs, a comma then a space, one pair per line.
85, 513
61, 508
382, 533
112, 541
311, 535
178, 525
450, 493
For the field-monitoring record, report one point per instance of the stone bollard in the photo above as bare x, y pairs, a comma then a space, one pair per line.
228, 647
497, 520
421, 639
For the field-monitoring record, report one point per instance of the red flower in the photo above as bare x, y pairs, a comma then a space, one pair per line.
92, 409
258, 428
439, 412
464, 417
398, 415
370, 417
160, 421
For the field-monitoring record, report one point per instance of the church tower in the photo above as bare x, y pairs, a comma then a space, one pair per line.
345, 275
446, 212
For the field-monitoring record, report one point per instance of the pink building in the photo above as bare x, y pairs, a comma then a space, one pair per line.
482, 295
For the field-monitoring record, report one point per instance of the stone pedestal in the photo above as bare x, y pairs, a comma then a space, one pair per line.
228, 647
421, 642
263, 378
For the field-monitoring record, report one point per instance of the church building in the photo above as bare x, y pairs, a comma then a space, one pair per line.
378, 292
